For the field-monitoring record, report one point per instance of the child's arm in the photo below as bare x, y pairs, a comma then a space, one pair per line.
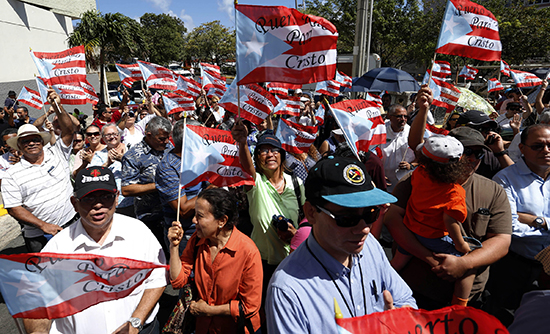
453, 227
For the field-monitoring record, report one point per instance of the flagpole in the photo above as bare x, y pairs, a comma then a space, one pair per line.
181, 165
236, 64
343, 132
432, 70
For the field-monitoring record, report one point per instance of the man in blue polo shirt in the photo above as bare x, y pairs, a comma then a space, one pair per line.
340, 259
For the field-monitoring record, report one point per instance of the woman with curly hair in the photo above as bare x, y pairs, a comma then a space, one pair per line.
437, 206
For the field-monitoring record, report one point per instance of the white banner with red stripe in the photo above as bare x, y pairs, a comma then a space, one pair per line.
61, 67
468, 72
174, 103
30, 97
288, 106
157, 77
128, 74
525, 79
295, 138
493, 85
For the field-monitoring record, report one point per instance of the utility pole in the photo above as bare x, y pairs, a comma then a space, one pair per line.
360, 39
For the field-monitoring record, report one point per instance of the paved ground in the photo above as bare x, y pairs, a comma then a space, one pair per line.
11, 242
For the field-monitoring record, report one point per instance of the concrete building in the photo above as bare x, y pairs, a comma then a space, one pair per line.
43, 25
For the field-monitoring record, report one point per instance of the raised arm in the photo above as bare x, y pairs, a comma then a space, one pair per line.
424, 100
539, 106
239, 133
65, 123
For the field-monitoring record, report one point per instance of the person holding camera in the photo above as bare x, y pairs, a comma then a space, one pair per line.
274, 193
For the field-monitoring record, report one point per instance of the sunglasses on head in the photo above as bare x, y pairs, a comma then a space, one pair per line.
370, 214
480, 153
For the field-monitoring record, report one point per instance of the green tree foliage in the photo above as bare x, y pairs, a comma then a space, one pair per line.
406, 31
211, 42
107, 38
164, 35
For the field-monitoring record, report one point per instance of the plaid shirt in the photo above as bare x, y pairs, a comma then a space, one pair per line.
139, 166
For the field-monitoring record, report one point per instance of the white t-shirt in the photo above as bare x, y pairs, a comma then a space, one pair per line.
5, 163
129, 139
128, 238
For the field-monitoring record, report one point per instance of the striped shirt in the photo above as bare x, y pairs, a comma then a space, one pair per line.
44, 190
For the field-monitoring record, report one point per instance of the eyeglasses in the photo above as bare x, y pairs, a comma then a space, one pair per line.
539, 147
106, 199
400, 116
111, 135
477, 153
274, 150
26, 141
92, 134
370, 215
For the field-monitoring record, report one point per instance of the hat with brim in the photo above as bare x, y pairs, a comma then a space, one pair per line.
476, 118
269, 138
469, 137
25, 131
344, 182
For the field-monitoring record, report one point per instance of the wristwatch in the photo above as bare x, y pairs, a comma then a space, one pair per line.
540, 223
136, 323
501, 153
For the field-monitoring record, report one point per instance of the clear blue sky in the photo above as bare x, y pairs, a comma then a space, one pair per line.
192, 12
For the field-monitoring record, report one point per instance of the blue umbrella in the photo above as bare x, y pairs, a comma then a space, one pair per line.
387, 79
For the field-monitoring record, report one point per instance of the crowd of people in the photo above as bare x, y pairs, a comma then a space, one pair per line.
466, 213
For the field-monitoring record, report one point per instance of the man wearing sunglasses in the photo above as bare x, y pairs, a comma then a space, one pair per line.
497, 157
526, 185
37, 189
103, 232
340, 259
488, 220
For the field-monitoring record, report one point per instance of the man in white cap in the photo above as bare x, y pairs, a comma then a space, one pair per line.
36, 190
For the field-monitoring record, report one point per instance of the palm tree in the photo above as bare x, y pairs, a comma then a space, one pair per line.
112, 35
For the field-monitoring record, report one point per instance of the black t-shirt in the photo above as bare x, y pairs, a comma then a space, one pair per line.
489, 165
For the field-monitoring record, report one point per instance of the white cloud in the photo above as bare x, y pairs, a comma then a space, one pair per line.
227, 6
188, 20
163, 5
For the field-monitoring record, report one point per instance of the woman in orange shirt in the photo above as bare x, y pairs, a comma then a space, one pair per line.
228, 266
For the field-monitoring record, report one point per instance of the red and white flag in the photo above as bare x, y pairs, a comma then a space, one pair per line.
504, 68
374, 98
295, 138
61, 67
344, 80
72, 93
525, 79
289, 105
434, 130
30, 97
361, 123
51, 285
493, 85
213, 70
221, 173
328, 87
300, 50
445, 94
281, 88
89, 91
128, 74
441, 68
468, 72
320, 115
157, 77
175, 103
256, 103
188, 87
212, 85
451, 319
469, 30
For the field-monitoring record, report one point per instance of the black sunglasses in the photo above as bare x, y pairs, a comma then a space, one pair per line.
539, 147
477, 153
90, 134
370, 215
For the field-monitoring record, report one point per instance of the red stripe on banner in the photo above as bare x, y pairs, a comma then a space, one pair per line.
70, 64
469, 52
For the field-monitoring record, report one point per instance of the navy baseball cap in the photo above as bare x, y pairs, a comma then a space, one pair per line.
345, 182
269, 138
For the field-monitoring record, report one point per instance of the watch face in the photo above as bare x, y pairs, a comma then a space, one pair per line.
135, 322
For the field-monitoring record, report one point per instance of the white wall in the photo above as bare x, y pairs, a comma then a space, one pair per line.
24, 26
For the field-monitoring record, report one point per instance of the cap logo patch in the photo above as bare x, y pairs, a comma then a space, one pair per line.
354, 175
102, 178
95, 173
